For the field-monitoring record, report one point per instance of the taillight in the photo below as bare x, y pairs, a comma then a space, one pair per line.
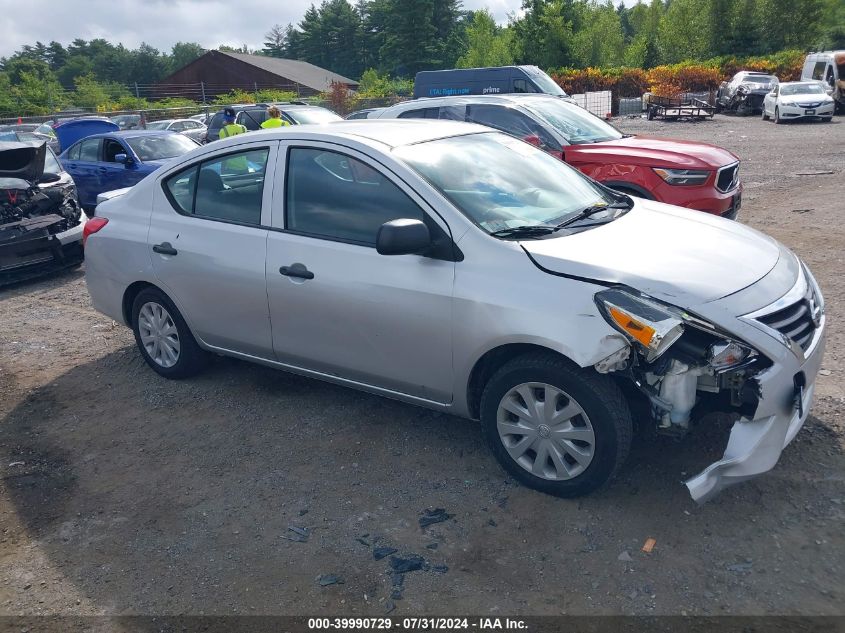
92, 226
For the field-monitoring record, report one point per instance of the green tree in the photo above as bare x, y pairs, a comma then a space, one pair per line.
182, 54
274, 41
488, 45
682, 33
790, 23
601, 40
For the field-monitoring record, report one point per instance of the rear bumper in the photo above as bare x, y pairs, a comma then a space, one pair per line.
754, 446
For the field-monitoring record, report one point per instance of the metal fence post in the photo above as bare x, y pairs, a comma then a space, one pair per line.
202, 89
137, 94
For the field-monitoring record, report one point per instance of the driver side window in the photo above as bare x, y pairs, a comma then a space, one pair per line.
112, 149
334, 196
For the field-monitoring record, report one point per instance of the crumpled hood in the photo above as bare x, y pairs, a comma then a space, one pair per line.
680, 256
652, 152
24, 160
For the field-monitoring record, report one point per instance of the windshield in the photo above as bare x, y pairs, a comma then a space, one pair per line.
762, 80
160, 147
500, 182
575, 123
312, 115
46, 129
802, 89
546, 84
51, 165
158, 125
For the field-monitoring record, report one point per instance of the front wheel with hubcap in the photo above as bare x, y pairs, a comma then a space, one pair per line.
777, 116
555, 427
765, 116
163, 337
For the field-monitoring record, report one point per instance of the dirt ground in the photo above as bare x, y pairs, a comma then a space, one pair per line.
123, 493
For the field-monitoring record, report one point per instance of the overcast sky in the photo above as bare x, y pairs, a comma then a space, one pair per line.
162, 23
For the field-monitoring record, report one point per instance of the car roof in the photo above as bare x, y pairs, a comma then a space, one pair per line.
387, 132
129, 134
806, 82
506, 99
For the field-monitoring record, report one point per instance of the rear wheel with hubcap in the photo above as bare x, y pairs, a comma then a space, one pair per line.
163, 337
555, 427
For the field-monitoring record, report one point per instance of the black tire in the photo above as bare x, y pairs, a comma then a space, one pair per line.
777, 116
765, 116
827, 119
191, 358
598, 396
649, 115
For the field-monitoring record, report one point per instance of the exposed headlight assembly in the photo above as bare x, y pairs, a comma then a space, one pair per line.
725, 354
652, 326
686, 177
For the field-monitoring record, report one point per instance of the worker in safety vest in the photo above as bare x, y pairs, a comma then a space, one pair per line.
274, 118
230, 128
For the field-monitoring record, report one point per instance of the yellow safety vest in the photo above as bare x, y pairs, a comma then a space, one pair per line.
269, 123
231, 130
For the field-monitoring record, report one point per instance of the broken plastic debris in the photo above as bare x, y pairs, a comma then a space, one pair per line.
381, 552
404, 565
649, 545
625, 556
300, 535
324, 580
438, 515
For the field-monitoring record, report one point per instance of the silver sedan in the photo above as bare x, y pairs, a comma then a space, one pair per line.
460, 269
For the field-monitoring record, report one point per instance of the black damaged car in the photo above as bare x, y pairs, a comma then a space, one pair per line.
744, 93
41, 222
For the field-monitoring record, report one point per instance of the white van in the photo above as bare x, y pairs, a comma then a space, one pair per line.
829, 67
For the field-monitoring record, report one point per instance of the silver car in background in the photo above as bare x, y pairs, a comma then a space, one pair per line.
457, 268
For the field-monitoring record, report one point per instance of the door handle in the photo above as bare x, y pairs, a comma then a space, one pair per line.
296, 270
164, 249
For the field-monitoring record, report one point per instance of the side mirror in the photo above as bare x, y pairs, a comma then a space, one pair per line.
123, 158
48, 178
402, 237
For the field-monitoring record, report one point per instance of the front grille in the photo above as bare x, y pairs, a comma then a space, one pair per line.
796, 321
727, 178
809, 105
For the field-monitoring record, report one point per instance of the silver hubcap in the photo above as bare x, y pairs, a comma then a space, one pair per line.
545, 431
159, 335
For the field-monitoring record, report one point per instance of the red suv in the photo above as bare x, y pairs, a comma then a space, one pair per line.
688, 174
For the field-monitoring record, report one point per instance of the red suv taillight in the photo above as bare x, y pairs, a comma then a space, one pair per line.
92, 226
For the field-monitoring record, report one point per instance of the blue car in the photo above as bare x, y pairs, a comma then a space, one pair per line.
117, 159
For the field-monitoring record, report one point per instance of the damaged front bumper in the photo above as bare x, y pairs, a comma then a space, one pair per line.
29, 249
754, 447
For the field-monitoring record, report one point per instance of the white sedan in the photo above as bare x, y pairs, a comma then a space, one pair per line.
798, 100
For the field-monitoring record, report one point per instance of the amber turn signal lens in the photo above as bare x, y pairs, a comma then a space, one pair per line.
637, 329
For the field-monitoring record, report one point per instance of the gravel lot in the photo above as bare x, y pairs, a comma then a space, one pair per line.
123, 493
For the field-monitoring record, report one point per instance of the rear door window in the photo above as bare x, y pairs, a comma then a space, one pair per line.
252, 119
89, 149
818, 71
511, 122
422, 113
228, 188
